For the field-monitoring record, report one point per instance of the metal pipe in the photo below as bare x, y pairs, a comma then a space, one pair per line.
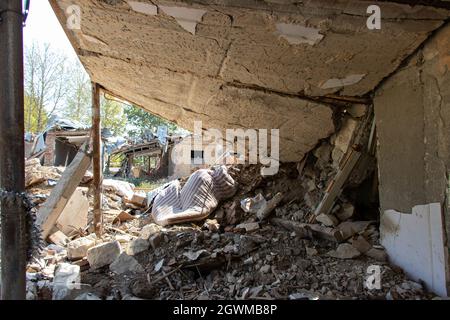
97, 160
12, 166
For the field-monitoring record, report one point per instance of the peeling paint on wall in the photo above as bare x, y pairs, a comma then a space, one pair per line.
415, 242
296, 34
347, 81
187, 18
144, 8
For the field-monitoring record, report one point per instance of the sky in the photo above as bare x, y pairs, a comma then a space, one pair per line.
43, 26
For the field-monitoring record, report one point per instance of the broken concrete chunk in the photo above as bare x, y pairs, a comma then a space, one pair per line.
265, 211
58, 238
67, 279
323, 153
265, 268
350, 228
361, 244
252, 205
136, 246
346, 212
344, 251
139, 200
75, 213
103, 254
194, 255
148, 231
78, 248
249, 227
377, 254
155, 240
327, 220
311, 251
125, 263
212, 225
121, 188
123, 216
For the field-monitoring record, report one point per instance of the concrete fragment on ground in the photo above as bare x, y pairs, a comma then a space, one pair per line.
50, 211
125, 263
75, 214
123, 216
249, 227
266, 210
361, 244
155, 240
344, 251
149, 230
252, 205
66, 280
347, 211
78, 248
103, 254
377, 254
350, 228
58, 238
327, 220
137, 246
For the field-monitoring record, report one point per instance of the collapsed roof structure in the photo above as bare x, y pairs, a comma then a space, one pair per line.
337, 88
245, 64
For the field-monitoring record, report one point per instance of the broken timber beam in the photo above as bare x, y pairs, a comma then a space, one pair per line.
12, 166
97, 160
334, 188
50, 211
305, 230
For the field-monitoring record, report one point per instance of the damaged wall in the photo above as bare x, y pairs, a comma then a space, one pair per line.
412, 110
244, 64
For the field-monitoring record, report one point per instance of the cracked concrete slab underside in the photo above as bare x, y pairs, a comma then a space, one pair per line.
242, 63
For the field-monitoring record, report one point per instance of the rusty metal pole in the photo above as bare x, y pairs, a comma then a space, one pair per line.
12, 167
97, 160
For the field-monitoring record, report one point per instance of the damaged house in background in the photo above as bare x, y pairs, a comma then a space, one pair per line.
59, 143
364, 135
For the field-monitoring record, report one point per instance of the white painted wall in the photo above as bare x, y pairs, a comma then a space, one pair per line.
415, 242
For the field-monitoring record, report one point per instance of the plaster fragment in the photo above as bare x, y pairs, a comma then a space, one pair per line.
296, 34
347, 81
144, 8
187, 18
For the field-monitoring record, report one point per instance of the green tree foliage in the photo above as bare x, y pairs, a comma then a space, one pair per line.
31, 113
143, 120
113, 116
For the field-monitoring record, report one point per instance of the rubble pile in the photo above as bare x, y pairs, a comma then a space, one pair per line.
268, 240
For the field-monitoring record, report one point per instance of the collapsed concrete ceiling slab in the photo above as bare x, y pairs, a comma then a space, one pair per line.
243, 63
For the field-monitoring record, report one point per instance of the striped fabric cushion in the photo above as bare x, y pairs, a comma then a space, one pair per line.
196, 200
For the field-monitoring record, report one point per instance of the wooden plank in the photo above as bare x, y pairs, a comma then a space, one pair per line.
51, 209
309, 231
97, 160
334, 188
